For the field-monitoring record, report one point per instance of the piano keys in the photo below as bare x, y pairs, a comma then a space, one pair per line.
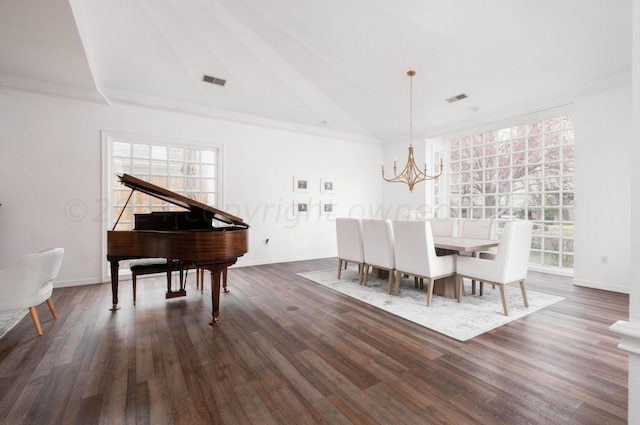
193, 237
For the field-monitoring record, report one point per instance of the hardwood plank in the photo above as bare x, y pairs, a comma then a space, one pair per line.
291, 351
160, 410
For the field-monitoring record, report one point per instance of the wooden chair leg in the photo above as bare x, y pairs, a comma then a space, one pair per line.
36, 320
504, 300
524, 293
429, 291
398, 276
54, 313
339, 268
473, 287
366, 275
391, 280
456, 292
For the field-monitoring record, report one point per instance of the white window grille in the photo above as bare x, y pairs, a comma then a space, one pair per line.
520, 172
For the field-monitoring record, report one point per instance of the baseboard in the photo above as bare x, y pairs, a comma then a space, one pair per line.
80, 282
601, 285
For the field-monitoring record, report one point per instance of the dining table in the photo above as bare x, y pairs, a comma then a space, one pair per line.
454, 243
446, 286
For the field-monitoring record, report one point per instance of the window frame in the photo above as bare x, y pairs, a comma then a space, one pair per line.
515, 185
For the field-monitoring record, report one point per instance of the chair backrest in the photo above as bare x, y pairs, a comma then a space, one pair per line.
514, 249
479, 228
444, 226
349, 238
29, 282
414, 248
377, 238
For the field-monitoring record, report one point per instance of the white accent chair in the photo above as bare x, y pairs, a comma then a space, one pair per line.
416, 255
444, 226
377, 238
350, 249
479, 229
28, 283
509, 266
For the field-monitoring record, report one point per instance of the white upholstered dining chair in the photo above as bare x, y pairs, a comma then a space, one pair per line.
29, 283
416, 254
349, 239
509, 265
479, 229
377, 239
444, 226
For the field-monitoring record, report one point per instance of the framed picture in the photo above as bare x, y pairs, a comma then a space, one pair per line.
327, 208
301, 207
327, 186
300, 184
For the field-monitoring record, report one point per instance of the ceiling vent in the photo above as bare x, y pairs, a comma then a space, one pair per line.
214, 80
457, 98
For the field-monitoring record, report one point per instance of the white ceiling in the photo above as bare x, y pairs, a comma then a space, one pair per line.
339, 65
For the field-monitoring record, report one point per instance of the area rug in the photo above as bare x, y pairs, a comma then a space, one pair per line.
462, 321
8, 319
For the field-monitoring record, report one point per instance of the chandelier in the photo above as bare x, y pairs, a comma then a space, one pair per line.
411, 173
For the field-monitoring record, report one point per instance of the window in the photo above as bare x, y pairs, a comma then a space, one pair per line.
520, 172
188, 170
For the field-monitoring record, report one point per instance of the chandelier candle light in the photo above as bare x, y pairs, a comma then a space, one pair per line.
411, 173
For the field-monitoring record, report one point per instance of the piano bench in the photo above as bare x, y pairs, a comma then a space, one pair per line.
151, 266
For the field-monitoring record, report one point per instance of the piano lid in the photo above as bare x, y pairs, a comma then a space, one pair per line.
179, 200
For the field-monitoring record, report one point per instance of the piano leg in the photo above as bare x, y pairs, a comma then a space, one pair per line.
224, 279
216, 272
115, 265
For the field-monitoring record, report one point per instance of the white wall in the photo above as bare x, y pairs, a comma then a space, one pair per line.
51, 182
633, 160
629, 328
51, 179
603, 188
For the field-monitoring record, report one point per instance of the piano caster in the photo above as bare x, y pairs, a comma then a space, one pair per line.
114, 307
215, 322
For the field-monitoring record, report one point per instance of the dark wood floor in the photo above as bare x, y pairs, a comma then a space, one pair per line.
289, 351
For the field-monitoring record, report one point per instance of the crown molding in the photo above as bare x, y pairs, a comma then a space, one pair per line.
48, 88
116, 96
109, 96
525, 110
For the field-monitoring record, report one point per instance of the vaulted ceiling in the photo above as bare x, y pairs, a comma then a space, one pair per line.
334, 65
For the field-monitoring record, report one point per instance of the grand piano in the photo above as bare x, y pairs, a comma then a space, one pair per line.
187, 238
